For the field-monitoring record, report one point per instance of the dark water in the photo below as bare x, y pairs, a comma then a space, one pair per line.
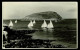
62, 32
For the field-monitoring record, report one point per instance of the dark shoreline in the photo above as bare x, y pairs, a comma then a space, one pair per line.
29, 42
65, 29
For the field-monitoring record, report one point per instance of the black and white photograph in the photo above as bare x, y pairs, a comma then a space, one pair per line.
39, 25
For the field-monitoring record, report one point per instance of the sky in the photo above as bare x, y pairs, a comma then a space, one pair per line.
17, 10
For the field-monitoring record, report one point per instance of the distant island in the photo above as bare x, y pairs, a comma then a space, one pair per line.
43, 15
47, 15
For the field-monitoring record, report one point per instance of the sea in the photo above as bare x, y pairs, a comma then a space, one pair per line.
64, 32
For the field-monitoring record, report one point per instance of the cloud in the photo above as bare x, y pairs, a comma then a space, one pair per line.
22, 9
72, 10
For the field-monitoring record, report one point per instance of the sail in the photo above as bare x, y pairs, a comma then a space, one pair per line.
16, 21
10, 24
34, 22
50, 25
30, 24
44, 24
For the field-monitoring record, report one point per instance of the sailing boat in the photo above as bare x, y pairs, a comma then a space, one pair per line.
30, 24
10, 24
50, 25
16, 21
34, 22
44, 25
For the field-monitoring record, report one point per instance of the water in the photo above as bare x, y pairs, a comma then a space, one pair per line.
61, 34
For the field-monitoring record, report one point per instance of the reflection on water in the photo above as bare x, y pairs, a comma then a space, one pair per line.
30, 28
50, 30
50, 34
11, 27
46, 34
44, 29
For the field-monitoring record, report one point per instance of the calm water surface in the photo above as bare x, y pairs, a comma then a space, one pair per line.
59, 34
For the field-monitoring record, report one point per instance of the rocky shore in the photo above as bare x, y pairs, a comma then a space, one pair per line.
21, 39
